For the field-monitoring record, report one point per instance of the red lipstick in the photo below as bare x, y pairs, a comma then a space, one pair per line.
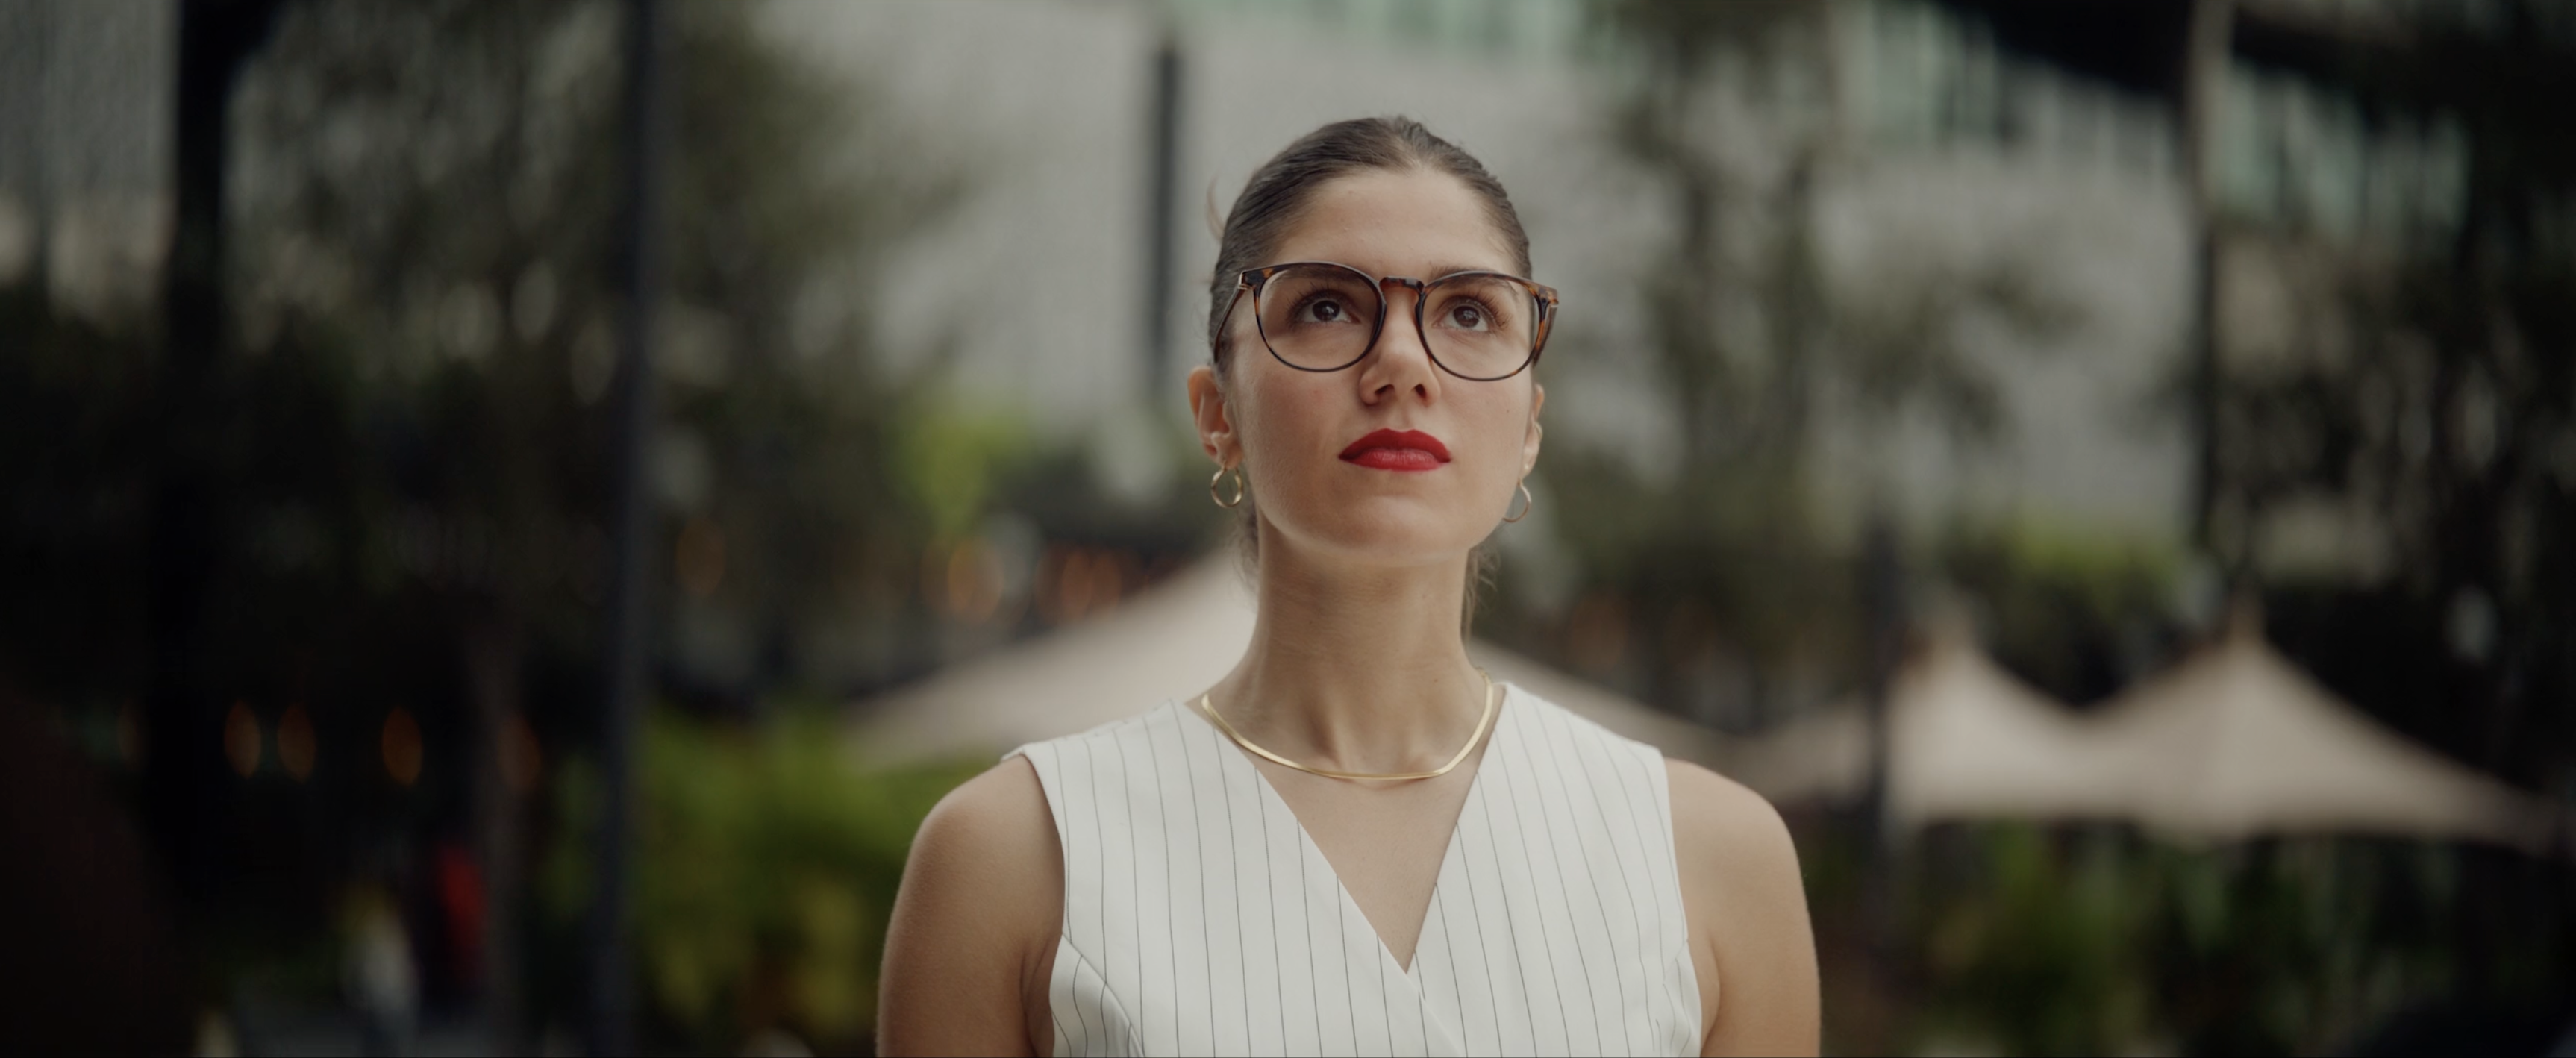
1397, 450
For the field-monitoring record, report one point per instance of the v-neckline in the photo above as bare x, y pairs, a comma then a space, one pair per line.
1235, 756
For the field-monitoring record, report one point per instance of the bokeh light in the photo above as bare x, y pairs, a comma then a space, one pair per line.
242, 738
1074, 582
522, 758
400, 745
698, 557
974, 582
296, 744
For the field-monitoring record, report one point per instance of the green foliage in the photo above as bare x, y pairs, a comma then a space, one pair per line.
950, 460
2076, 610
2427, 386
2041, 955
453, 242
2041, 942
1759, 350
767, 866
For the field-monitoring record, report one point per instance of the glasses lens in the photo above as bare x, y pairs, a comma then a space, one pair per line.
1318, 317
1479, 326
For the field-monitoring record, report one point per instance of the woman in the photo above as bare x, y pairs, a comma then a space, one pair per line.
1355, 843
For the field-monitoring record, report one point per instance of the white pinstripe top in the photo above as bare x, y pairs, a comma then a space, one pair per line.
1200, 919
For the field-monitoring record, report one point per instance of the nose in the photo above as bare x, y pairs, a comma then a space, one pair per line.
1401, 362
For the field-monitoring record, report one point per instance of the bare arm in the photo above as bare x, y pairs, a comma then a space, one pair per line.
1748, 917
973, 937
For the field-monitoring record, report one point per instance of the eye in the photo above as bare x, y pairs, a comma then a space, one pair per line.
1468, 316
1322, 310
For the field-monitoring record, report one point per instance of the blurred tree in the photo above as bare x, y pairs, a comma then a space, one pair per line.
2033, 947
2037, 940
368, 471
2079, 613
434, 178
2424, 398
765, 877
1759, 350
429, 202
2431, 396
2430, 400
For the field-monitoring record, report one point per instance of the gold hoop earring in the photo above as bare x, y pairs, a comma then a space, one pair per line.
1526, 502
1219, 497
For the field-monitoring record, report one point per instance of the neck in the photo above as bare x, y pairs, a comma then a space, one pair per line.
1356, 669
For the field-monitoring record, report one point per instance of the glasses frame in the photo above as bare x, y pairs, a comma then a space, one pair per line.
1542, 297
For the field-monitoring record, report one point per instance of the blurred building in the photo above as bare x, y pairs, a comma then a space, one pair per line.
1062, 94
1957, 141
1956, 147
85, 146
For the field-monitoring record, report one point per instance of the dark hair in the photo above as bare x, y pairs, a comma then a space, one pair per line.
1275, 198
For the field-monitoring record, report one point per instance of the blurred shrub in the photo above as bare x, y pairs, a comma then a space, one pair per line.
2035, 949
949, 457
2033, 941
767, 866
2077, 611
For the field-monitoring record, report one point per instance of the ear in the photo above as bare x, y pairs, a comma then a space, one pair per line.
1214, 420
1529, 444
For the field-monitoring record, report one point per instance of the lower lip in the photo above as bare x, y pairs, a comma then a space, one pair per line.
1396, 459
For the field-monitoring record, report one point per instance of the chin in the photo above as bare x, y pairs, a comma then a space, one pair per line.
1370, 538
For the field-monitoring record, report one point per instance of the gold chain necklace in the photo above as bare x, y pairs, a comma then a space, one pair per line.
1493, 703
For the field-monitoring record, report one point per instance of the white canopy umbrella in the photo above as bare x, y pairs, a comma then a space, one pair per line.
1822, 757
2237, 742
1966, 739
1168, 642
2234, 742
1969, 740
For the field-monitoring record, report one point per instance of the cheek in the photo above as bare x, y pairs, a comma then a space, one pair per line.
1502, 431
1279, 417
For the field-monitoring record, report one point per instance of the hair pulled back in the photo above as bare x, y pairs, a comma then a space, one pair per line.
1276, 196
1275, 199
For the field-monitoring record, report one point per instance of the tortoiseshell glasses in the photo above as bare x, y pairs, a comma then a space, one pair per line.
1320, 316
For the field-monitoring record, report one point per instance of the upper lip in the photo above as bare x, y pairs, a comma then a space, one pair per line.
1399, 439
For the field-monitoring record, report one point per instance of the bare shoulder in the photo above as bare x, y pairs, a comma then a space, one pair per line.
1724, 824
973, 933
990, 849
1751, 942
997, 819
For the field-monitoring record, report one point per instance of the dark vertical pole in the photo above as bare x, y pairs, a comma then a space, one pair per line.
2203, 60
1882, 599
39, 107
1883, 602
1162, 163
647, 150
183, 763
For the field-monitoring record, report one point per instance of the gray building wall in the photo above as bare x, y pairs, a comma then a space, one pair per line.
85, 144
1053, 97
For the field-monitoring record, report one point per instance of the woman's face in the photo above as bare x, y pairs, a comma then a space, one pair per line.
1299, 435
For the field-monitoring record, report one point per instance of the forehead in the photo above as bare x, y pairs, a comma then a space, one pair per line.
1412, 222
